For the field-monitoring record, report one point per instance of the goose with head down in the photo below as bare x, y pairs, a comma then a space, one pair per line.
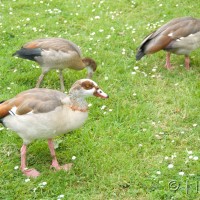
56, 53
41, 113
179, 36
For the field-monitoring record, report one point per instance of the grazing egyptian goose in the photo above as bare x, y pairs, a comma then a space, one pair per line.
41, 113
179, 36
56, 53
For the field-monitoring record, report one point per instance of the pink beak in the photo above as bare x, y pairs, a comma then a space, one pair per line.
101, 94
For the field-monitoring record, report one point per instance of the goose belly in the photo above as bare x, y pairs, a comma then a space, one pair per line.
53, 59
184, 45
45, 125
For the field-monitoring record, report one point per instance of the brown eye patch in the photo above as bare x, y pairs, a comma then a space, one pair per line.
87, 85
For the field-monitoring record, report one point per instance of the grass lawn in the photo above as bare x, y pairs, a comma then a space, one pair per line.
140, 144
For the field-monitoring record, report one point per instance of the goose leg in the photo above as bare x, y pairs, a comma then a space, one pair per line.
61, 81
28, 172
54, 159
187, 62
168, 64
41, 77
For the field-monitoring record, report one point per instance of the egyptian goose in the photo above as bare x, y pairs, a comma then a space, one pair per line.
179, 36
56, 53
41, 113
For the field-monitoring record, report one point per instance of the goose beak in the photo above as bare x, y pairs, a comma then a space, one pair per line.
100, 93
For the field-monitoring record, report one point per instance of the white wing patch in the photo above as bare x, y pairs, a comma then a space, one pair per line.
170, 34
31, 112
13, 111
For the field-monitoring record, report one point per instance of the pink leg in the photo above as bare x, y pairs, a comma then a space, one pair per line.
168, 64
40, 80
187, 62
27, 172
54, 159
41, 77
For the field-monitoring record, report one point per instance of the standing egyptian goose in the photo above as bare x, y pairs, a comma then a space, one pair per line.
41, 113
56, 53
179, 36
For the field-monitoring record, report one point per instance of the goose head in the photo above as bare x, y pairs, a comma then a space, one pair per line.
90, 65
85, 88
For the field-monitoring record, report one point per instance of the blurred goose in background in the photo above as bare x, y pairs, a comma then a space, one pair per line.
56, 53
41, 113
179, 36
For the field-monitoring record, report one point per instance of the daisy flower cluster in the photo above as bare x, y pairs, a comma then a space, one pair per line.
136, 70
153, 26
105, 109
53, 11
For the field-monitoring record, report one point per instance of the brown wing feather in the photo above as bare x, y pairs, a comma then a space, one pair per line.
31, 45
4, 109
35, 100
57, 44
173, 24
157, 44
162, 37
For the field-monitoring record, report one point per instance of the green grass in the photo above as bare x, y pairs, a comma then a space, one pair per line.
154, 118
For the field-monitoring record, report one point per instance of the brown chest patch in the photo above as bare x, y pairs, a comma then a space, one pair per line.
75, 108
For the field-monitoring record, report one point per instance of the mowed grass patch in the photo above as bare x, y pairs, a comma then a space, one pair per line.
141, 143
